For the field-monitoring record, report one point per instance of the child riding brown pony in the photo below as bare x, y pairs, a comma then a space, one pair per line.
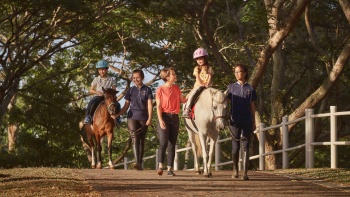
103, 124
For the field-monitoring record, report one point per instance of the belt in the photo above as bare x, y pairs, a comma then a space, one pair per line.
169, 113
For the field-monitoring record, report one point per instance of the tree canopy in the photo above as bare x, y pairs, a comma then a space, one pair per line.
297, 53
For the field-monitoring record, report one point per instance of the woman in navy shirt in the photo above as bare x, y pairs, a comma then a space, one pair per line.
139, 99
242, 122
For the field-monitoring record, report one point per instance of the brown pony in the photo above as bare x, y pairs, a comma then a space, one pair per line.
103, 124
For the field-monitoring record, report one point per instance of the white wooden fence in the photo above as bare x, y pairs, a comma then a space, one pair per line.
309, 144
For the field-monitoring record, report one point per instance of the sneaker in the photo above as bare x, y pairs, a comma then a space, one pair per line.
171, 173
186, 113
160, 171
87, 120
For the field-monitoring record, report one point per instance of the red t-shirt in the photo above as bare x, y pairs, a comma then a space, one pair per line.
169, 98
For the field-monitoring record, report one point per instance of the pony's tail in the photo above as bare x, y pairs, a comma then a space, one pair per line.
198, 145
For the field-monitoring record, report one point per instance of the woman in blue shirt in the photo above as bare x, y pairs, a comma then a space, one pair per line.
139, 99
242, 122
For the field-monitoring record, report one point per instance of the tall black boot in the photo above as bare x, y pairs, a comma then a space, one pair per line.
235, 157
136, 151
245, 159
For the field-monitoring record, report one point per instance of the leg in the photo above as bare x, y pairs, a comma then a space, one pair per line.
235, 133
163, 135
173, 134
98, 150
134, 127
247, 131
109, 144
192, 138
92, 149
142, 142
211, 151
203, 140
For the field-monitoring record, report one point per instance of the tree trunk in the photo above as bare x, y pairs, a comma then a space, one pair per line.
12, 136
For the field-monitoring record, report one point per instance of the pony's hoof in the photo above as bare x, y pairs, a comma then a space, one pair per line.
93, 166
111, 167
198, 172
210, 175
245, 178
205, 174
99, 167
235, 176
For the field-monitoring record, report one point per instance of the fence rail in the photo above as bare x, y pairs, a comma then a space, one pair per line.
309, 144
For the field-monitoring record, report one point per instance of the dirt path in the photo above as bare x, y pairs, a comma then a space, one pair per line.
148, 183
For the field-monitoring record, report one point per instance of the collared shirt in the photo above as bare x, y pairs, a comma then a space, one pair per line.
241, 97
138, 102
99, 82
169, 98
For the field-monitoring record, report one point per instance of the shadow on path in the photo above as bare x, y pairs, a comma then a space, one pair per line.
185, 183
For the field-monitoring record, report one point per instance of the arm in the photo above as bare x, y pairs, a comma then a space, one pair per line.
93, 91
183, 99
159, 113
123, 110
150, 111
209, 80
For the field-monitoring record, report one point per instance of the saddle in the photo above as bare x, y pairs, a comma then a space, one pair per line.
194, 100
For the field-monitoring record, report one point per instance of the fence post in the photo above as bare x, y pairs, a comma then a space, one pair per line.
309, 138
285, 145
217, 153
176, 160
333, 126
261, 147
125, 163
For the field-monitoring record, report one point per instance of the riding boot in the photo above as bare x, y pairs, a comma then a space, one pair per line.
245, 159
136, 151
235, 165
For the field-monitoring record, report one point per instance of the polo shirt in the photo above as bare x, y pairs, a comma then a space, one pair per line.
241, 97
138, 99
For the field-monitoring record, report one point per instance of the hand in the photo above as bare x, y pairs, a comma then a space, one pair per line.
149, 122
162, 124
115, 116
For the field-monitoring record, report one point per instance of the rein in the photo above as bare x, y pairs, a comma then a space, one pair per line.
218, 117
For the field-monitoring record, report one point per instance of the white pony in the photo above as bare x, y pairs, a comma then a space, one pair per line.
209, 115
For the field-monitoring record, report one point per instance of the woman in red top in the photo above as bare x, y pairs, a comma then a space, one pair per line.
168, 99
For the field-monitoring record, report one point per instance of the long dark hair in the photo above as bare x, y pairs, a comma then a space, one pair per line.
206, 63
245, 69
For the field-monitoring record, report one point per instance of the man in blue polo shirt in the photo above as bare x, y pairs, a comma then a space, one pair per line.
139, 99
242, 122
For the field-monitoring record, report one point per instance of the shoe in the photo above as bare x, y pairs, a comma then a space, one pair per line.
160, 171
171, 173
186, 113
137, 166
87, 120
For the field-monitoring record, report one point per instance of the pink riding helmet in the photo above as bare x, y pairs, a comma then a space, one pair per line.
200, 52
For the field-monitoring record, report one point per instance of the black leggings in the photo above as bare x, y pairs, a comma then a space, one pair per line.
168, 137
237, 130
138, 131
90, 109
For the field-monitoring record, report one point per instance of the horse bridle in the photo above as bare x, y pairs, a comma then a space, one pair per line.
218, 117
109, 107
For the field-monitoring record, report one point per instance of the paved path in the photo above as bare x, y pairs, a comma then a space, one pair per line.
185, 183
